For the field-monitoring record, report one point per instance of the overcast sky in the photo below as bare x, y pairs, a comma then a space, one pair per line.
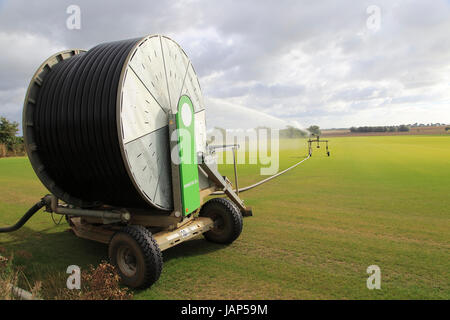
262, 62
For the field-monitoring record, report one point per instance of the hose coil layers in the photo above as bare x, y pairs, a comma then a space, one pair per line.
72, 129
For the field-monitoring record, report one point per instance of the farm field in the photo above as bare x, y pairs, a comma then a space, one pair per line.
380, 200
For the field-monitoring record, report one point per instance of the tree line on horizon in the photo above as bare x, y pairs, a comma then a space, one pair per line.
400, 128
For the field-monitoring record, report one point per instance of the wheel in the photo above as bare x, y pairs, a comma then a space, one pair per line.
227, 220
137, 257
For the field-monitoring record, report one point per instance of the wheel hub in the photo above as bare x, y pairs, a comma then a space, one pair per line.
126, 261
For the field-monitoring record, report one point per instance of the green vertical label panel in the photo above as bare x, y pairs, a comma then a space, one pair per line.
190, 188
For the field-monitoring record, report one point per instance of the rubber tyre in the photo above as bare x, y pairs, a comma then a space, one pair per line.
227, 218
134, 246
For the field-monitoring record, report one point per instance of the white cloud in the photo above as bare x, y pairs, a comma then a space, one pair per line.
22, 53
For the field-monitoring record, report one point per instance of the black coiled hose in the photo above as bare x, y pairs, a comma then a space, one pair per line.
75, 128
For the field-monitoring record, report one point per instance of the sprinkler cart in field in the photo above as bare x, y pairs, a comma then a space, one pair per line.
317, 141
118, 134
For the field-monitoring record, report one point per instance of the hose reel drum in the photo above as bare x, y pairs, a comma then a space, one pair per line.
96, 122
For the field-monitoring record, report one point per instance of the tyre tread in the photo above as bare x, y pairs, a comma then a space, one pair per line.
232, 210
150, 249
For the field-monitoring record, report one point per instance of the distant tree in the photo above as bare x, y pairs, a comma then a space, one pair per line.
288, 132
292, 133
314, 130
392, 129
8, 131
8, 139
447, 128
17, 145
380, 129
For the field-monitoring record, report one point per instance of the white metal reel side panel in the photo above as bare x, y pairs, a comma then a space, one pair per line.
176, 64
163, 194
185, 62
148, 63
154, 77
140, 113
192, 89
147, 158
141, 156
200, 131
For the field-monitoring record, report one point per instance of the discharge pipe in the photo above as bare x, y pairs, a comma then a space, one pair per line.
26, 216
262, 181
51, 203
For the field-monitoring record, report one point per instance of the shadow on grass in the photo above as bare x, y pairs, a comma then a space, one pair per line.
191, 248
39, 254
195, 247
47, 253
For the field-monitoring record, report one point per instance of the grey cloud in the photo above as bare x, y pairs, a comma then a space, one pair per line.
367, 93
276, 91
301, 60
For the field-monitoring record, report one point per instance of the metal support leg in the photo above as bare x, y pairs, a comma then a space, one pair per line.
235, 172
175, 170
227, 188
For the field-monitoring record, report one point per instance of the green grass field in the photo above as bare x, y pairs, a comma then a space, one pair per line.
315, 230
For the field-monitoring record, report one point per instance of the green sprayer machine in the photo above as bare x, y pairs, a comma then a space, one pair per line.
117, 134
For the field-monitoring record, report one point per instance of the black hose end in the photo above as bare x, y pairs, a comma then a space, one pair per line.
37, 206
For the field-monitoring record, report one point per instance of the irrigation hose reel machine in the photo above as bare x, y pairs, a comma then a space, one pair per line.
99, 128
